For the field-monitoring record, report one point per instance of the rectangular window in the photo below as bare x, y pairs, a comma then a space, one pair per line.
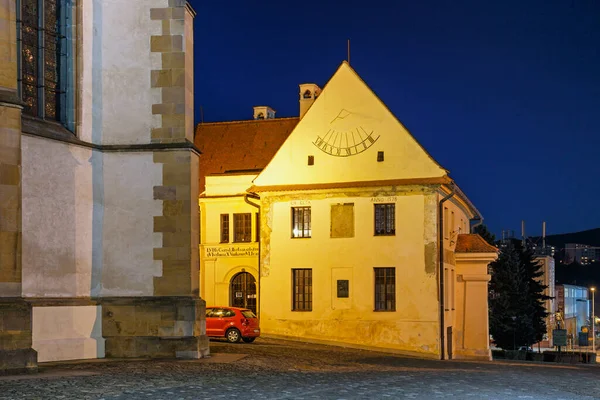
301, 222
452, 222
224, 228
257, 227
302, 289
385, 219
342, 220
385, 289
242, 227
45, 65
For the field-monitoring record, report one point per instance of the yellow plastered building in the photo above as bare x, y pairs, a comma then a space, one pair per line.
362, 238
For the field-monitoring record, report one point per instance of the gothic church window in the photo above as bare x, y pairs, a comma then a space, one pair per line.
45, 65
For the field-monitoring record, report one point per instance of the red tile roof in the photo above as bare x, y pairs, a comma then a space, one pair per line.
239, 146
473, 243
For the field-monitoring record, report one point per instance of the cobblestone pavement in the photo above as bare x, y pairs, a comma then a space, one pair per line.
275, 369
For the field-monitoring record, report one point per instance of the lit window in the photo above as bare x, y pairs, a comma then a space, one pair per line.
45, 65
301, 222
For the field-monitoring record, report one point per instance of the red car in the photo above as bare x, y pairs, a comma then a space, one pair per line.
232, 323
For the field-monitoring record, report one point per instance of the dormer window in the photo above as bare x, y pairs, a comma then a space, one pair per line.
307, 94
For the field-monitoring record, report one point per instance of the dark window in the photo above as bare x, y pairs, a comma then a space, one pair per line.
257, 227
385, 219
307, 94
301, 222
343, 288
379, 156
385, 289
224, 228
302, 289
242, 227
260, 116
311, 160
45, 65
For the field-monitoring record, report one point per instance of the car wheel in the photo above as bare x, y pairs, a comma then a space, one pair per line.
248, 339
233, 335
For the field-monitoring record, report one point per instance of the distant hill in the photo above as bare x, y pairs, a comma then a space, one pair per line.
590, 237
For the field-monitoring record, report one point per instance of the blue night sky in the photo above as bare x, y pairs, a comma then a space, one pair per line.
504, 94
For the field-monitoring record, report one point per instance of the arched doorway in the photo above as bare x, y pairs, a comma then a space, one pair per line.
242, 291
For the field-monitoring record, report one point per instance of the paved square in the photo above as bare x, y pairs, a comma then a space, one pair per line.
275, 369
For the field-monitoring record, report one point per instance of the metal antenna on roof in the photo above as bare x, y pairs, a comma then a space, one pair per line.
348, 51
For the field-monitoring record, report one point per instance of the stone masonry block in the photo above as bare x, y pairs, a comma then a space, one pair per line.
10, 155
172, 121
9, 220
11, 138
166, 43
161, 78
165, 224
178, 13
165, 193
173, 95
168, 108
177, 3
160, 13
10, 174
165, 253
183, 253
186, 313
175, 207
161, 133
175, 239
166, 27
9, 197
173, 60
177, 27
178, 77
172, 285
182, 192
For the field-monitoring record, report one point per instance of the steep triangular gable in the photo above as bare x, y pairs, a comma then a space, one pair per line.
344, 130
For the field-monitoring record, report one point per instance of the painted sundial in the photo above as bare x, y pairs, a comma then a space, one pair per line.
347, 135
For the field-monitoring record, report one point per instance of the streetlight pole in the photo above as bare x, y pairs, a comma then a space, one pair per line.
593, 321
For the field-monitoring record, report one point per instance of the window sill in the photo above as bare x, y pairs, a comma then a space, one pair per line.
300, 237
384, 234
47, 128
384, 310
301, 310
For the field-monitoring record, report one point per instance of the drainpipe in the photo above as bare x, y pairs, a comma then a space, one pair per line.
255, 196
441, 272
476, 224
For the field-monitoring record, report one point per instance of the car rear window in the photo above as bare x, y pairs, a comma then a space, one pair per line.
248, 314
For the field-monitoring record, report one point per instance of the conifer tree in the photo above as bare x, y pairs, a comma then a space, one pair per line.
517, 314
488, 236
